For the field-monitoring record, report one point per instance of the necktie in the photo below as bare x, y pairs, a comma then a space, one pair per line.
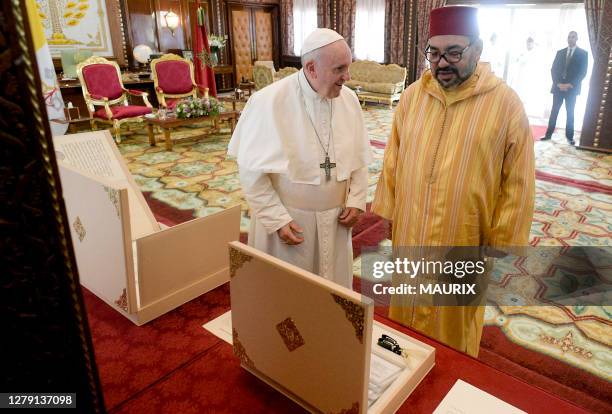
567, 60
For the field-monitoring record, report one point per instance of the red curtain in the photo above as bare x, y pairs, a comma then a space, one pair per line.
396, 29
204, 75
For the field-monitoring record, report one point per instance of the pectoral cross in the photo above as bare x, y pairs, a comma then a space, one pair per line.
327, 166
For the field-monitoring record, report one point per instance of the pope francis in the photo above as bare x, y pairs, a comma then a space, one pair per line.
302, 151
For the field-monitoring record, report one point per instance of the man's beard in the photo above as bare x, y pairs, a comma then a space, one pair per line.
459, 78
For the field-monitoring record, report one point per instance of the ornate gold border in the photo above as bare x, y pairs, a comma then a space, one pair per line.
47, 159
79, 229
113, 196
355, 314
237, 259
603, 101
240, 351
122, 301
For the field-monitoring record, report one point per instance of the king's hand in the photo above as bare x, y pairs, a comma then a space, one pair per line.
348, 217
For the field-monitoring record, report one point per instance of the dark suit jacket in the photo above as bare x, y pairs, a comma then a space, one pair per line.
576, 70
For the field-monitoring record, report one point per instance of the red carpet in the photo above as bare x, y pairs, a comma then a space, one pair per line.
378, 144
591, 186
165, 213
537, 131
131, 359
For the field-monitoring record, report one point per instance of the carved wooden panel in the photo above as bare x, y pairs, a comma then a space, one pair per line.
597, 126
241, 38
46, 346
264, 34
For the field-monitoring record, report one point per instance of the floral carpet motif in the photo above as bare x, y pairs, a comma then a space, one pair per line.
562, 160
378, 120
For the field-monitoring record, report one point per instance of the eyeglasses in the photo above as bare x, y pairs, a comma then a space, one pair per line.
451, 56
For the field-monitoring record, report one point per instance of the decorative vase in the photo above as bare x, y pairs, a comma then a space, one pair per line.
214, 56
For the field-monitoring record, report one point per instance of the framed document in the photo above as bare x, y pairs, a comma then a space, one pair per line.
84, 25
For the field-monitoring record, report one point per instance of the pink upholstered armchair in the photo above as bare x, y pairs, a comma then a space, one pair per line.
102, 86
173, 79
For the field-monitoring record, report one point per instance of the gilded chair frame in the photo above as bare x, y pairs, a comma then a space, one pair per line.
161, 95
91, 102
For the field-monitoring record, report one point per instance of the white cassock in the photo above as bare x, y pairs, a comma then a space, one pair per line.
279, 157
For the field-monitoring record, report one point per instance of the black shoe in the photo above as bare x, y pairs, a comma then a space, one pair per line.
571, 141
545, 138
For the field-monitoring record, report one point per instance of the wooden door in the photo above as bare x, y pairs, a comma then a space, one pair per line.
241, 44
264, 35
254, 30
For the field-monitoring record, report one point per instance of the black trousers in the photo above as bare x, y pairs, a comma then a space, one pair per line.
570, 103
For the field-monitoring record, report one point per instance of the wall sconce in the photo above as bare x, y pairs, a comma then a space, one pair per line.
171, 20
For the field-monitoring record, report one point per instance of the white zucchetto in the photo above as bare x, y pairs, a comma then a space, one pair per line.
319, 38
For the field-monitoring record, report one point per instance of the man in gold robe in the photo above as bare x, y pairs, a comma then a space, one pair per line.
458, 168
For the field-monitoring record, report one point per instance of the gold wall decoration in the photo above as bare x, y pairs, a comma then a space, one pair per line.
237, 259
354, 313
290, 334
79, 229
122, 301
240, 352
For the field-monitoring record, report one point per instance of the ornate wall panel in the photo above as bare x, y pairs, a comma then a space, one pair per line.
46, 345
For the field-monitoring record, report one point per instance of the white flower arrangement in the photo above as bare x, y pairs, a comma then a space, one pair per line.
191, 108
217, 41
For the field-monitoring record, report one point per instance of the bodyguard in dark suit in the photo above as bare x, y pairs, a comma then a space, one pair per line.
568, 70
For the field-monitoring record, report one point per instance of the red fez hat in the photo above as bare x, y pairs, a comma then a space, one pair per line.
453, 20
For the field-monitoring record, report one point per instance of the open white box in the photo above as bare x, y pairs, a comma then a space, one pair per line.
312, 339
123, 256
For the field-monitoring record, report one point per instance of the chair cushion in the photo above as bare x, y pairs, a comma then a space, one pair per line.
121, 111
103, 80
174, 77
376, 87
171, 103
379, 87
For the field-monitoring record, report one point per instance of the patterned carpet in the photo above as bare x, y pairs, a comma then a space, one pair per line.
573, 208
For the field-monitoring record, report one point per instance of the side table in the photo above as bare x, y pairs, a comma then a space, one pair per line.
73, 124
247, 86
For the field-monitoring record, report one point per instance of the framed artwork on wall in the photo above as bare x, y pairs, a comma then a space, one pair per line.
87, 25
